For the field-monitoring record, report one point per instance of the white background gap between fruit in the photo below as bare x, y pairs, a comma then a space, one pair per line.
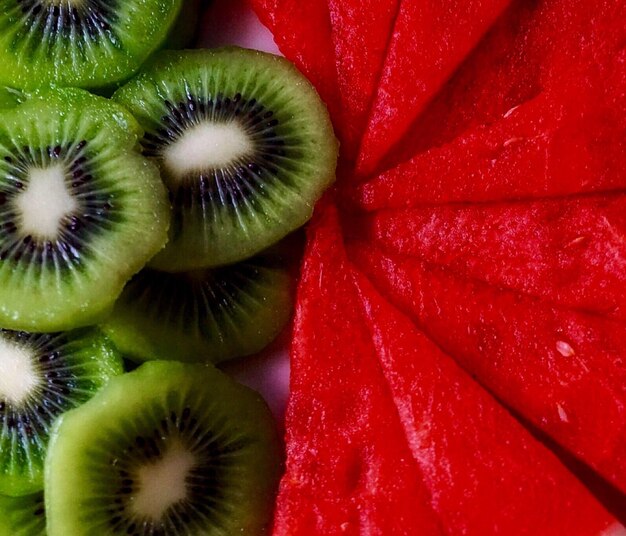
232, 22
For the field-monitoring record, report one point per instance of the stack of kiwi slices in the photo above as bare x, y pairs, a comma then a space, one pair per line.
149, 207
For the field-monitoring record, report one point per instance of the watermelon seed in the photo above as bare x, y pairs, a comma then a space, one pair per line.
511, 141
510, 111
564, 349
577, 240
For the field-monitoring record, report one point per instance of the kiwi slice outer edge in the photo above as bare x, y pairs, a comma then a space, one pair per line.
22, 516
71, 489
117, 260
237, 310
100, 362
116, 57
227, 235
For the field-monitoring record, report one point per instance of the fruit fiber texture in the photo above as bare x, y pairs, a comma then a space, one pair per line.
469, 263
64, 44
117, 219
406, 439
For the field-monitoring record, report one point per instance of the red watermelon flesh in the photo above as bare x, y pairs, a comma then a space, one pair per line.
562, 370
536, 111
430, 39
563, 142
360, 33
387, 435
349, 469
534, 46
566, 251
302, 32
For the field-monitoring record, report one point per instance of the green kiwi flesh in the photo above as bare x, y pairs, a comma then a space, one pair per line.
9, 97
44, 375
169, 449
81, 211
207, 315
86, 43
22, 516
245, 146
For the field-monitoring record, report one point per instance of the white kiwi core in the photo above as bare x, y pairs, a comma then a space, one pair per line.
162, 484
207, 146
45, 202
19, 377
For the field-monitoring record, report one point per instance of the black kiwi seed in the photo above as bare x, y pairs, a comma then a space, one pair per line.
245, 147
168, 449
51, 373
79, 43
206, 315
23, 516
82, 210
233, 185
67, 250
86, 21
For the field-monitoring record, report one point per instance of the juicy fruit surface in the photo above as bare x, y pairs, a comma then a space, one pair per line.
464, 448
208, 315
44, 375
91, 43
81, 210
210, 467
494, 231
245, 147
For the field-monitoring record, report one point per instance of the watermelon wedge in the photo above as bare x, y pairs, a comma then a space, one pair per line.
430, 39
349, 468
393, 437
360, 33
533, 47
302, 32
561, 369
564, 142
470, 267
566, 251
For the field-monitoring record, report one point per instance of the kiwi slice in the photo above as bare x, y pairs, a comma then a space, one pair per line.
205, 315
22, 516
81, 210
80, 43
169, 449
42, 376
245, 146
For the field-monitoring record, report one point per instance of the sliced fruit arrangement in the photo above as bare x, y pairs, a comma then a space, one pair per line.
85, 43
431, 42
407, 426
212, 314
167, 449
474, 276
245, 147
23, 516
488, 230
44, 375
81, 210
